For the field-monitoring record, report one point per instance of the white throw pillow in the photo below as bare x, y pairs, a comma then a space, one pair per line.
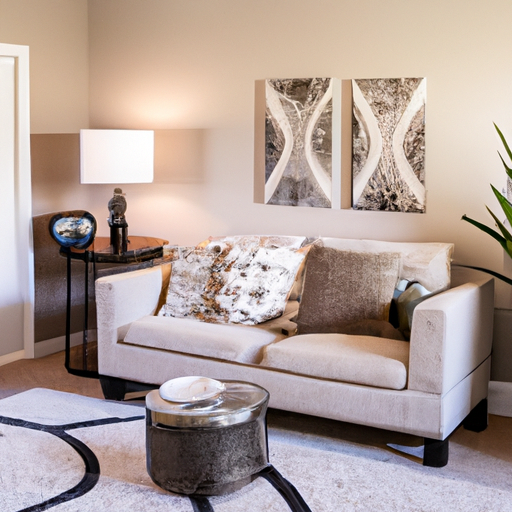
234, 283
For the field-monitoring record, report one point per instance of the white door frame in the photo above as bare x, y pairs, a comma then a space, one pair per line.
23, 195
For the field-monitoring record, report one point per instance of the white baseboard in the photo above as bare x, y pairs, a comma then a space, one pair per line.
10, 358
500, 398
53, 345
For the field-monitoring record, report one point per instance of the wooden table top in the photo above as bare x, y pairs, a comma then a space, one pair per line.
140, 248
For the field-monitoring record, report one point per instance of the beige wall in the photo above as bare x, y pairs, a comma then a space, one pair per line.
192, 66
56, 32
182, 64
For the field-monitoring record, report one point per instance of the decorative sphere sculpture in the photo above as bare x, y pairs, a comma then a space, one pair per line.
76, 229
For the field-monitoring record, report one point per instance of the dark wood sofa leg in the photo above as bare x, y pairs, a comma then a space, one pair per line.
113, 388
435, 453
116, 389
477, 420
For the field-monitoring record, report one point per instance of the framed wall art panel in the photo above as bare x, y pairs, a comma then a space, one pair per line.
303, 142
388, 144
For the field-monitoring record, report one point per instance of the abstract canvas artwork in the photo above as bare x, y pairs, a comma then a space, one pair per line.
388, 144
302, 142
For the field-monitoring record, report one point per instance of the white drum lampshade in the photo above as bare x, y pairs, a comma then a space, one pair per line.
116, 156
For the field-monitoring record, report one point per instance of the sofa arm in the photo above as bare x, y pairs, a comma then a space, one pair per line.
451, 336
124, 298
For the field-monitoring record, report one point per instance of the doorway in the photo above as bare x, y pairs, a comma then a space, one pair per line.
16, 268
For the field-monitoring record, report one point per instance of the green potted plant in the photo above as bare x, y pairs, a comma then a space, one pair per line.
503, 236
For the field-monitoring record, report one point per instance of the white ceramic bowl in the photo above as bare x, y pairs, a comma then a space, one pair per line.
190, 389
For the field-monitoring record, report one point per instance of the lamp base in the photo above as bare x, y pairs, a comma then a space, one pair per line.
119, 238
117, 222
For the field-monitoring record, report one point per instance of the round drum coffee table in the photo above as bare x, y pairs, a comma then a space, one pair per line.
204, 436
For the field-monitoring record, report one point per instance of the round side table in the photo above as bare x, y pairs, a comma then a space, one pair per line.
207, 446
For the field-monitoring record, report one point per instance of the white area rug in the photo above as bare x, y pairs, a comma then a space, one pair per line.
330, 474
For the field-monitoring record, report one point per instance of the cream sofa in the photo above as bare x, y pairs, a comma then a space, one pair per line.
427, 386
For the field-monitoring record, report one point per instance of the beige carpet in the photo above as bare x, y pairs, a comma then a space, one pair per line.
332, 474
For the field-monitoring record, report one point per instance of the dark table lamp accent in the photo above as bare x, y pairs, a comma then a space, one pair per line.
117, 222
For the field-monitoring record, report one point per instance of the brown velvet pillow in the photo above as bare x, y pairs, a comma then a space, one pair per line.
344, 286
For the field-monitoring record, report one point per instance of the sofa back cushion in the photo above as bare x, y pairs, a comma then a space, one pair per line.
341, 287
427, 263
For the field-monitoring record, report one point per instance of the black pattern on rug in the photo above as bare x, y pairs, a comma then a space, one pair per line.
287, 491
201, 504
92, 467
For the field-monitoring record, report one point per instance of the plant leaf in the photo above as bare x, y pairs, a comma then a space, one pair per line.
504, 203
486, 270
505, 239
502, 240
507, 168
504, 231
509, 152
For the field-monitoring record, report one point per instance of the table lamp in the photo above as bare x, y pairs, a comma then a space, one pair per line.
116, 157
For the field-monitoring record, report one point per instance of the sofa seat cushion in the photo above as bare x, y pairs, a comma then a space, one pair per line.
228, 342
365, 360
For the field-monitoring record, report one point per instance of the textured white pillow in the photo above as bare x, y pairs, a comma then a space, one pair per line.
246, 241
236, 283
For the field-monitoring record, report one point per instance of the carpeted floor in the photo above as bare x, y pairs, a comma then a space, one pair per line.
330, 473
335, 466
44, 372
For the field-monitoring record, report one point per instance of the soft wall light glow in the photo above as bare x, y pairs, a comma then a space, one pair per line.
116, 156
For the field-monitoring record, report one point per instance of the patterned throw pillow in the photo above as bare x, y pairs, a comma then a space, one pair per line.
247, 241
341, 287
244, 283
